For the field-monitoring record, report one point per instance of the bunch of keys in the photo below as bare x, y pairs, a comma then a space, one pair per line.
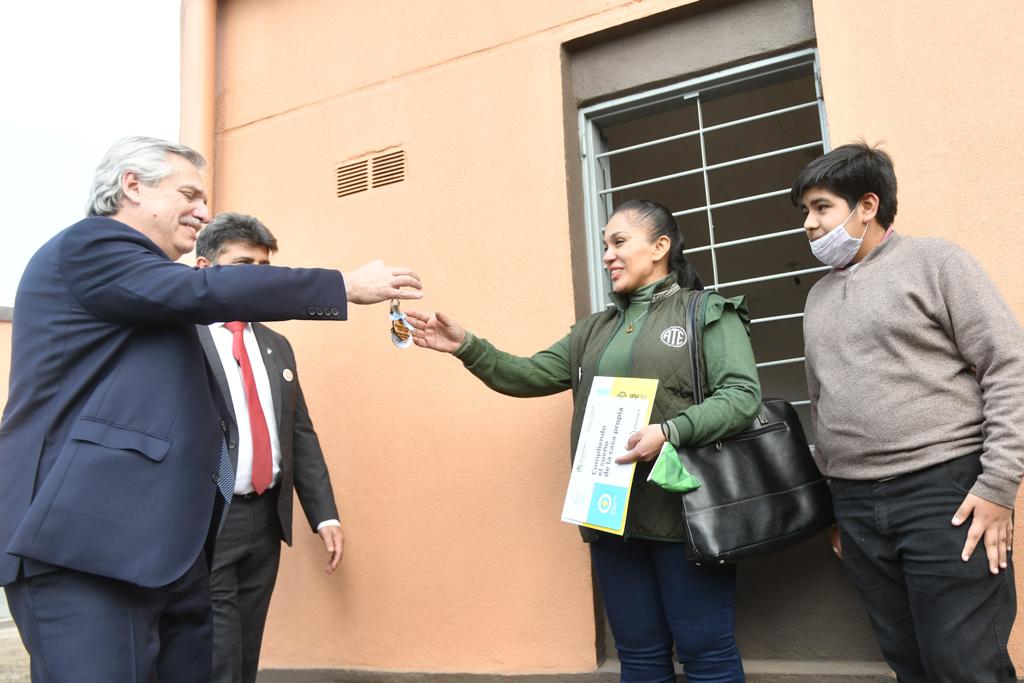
401, 335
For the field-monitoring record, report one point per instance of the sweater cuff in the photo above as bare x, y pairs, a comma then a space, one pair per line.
996, 490
680, 431
468, 351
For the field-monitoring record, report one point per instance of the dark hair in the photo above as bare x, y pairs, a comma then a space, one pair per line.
662, 223
233, 227
852, 171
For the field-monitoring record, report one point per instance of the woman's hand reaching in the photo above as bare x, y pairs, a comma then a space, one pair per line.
437, 331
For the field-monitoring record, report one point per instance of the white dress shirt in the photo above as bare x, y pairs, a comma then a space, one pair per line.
224, 340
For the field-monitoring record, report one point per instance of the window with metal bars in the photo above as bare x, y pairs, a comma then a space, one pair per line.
721, 152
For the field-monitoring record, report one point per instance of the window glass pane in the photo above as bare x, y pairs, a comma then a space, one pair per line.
784, 381
775, 297
764, 135
765, 257
757, 177
759, 217
777, 339
751, 96
658, 121
674, 156
677, 194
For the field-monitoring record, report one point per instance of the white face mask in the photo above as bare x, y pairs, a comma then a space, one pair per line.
836, 248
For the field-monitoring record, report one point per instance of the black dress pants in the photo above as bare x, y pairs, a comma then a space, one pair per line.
245, 562
937, 618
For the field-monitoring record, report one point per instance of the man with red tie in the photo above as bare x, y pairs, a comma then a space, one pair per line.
273, 448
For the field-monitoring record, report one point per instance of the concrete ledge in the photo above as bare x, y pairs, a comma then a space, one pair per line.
758, 671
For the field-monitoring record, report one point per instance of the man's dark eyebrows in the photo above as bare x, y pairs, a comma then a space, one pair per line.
814, 202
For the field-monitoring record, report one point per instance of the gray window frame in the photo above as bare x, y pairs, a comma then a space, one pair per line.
597, 193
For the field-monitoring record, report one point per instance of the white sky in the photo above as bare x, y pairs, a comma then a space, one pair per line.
75, 77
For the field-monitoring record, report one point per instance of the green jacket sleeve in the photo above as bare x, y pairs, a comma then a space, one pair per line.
732, 378
545, 372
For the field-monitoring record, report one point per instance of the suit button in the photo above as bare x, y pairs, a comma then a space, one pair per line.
319, 311
223, 427
335, 312
311, 310
231, 445
216, 478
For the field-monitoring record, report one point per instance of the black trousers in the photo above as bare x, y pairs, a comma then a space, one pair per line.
245, 562
937, 618
81, 628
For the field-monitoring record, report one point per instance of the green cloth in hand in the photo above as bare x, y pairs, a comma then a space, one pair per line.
670, 474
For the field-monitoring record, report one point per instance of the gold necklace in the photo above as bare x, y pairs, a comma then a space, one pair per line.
632, 326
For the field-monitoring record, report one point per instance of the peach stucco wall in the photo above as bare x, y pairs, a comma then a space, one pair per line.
451, 494
940, 87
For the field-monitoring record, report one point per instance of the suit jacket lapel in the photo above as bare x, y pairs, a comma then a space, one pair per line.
213, 360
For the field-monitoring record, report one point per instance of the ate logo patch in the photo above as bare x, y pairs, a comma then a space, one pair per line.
674, 336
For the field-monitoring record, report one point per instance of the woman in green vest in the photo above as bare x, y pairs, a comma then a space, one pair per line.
652, 595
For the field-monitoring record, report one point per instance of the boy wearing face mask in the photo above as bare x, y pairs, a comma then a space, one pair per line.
915, 367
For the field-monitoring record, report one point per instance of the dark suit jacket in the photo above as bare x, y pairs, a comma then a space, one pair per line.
302, 462
110, 440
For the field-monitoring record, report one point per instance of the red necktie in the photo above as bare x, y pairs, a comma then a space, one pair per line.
262, 468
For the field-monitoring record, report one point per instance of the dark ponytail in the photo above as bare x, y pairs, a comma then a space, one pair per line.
662, 223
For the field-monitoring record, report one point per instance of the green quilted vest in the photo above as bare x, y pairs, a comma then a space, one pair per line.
660, 351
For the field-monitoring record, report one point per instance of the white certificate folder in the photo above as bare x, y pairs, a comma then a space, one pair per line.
598, 493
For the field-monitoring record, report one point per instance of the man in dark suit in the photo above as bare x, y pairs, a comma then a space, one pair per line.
112, 446
248, 549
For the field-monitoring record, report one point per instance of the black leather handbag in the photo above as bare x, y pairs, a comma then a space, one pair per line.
760, 489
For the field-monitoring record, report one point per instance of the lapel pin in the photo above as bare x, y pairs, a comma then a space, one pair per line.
269, 350
401, 335
288, 376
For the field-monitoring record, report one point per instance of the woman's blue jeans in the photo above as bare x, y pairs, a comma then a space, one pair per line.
654, 597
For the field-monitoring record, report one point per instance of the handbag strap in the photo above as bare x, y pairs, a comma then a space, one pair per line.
694, 309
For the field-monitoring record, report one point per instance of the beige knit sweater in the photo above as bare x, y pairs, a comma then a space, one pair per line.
913, 359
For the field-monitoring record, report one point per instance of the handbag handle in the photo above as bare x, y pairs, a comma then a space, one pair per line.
693, 306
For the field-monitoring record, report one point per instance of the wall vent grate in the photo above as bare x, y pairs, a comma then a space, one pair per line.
369, 172
351, 178
388, 168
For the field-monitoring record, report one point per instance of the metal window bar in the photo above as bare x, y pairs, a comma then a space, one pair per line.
784, 361
643, 101
731, 202
712, 167
730, 75
707, 193
759, 75
774, 276
774, 318
717, 126
745, 240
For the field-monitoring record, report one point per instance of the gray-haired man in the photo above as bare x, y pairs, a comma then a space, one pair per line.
111, 443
